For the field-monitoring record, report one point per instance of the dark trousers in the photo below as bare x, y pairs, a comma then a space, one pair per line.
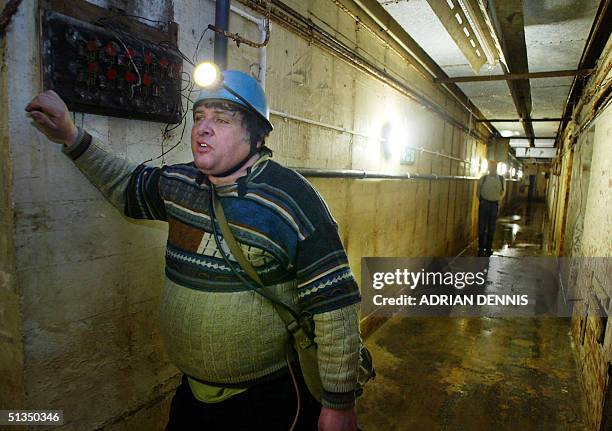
268, 406
487, 215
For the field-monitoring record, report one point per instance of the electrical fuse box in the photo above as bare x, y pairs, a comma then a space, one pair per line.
101, 67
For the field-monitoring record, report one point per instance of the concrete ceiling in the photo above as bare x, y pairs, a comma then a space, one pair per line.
555, 34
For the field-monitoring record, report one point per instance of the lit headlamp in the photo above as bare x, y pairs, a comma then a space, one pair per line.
207, 75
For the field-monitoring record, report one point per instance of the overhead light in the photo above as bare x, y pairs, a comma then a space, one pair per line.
490, 52
460, 29
544, 142
508, 133
519, 142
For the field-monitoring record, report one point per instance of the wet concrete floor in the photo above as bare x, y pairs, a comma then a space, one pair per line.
478, 373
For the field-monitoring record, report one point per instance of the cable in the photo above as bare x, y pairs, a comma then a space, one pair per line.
190, 85
195, 54
297, 392
132, 16
183, 122
169, 46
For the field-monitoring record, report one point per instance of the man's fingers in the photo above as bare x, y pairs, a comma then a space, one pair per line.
33, 105
42, 120
48, 102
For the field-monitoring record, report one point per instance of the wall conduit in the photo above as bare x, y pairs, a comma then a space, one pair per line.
365, 175
304, 27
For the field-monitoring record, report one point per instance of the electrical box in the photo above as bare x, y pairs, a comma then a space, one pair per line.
100, 62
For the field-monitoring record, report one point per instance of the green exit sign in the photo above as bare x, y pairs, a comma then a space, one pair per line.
408, 156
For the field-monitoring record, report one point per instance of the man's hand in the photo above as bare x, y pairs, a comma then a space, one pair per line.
51, 117
337, 420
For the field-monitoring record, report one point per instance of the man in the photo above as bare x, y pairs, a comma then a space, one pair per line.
491, 190
228, 340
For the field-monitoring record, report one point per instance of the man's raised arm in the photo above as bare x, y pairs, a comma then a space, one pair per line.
131, 188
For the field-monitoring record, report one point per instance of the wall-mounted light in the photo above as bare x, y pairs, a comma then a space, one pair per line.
502, 168
484, 166
474, 166
513, 172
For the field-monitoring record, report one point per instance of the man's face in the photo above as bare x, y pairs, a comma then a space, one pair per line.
219, 139
492, 167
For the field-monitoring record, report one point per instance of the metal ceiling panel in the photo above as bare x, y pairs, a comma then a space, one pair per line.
492, 98
555, 35
422, 24
549, 96
538, 153
546, 128
510, 129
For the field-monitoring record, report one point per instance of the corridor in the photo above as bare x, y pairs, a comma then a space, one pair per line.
489, 373
180, 180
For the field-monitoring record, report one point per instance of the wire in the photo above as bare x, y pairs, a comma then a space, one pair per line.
297, 391
190, 85
120, 14
169, 46
195, 54
168, 129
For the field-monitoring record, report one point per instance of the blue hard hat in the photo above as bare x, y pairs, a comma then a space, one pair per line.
241, 89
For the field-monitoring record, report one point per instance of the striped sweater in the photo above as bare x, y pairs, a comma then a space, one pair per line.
213, 327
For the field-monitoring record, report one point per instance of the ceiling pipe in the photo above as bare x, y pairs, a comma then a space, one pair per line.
520, 120
260, 22
596, 42
507, 17
222, 12
306, 28
390, 27
516, 76
366, 175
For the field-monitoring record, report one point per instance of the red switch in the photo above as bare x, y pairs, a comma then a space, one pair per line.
111, 74
130, 53
164, 63
93, 45
110, 50
130, 77
148, 58
92, 67
146, 79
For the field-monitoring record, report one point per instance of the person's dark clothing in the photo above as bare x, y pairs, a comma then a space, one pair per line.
487, 215
491, 189
268, 406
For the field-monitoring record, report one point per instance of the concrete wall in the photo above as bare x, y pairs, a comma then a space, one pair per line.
581, 228
89, 279
11, 357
